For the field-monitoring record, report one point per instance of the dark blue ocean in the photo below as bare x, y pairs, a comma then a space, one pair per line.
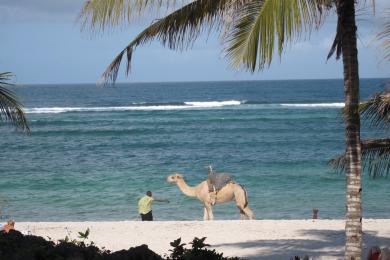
93, 151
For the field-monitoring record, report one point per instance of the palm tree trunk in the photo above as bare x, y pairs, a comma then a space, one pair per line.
353, 226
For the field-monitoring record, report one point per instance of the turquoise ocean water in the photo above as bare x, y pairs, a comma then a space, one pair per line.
94, 151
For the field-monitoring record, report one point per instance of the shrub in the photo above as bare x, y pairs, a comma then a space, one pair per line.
15, 246
198, 251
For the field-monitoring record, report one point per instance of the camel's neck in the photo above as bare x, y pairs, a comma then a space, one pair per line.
187, 190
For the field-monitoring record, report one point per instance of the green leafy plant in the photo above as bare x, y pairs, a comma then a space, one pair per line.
178, 248
11, 110
82, 235
198, 251
198, 244
15, 245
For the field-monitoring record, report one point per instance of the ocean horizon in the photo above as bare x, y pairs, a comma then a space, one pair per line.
94, 151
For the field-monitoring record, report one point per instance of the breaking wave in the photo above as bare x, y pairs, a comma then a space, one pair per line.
319, 105
135, 106
181, 106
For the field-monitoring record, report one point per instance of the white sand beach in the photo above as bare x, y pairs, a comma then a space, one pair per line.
257, 239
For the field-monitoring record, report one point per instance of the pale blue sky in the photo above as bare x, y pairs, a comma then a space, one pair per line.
42, 43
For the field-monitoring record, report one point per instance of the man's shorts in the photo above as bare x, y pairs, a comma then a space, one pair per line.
147, 217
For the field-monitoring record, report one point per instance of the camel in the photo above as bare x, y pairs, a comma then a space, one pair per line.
229, 192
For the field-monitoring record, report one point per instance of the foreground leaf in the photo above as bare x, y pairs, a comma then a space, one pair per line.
11, 110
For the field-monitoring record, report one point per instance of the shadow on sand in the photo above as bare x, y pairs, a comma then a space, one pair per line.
325, 244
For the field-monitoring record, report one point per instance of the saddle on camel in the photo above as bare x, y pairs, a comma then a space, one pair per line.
216, 181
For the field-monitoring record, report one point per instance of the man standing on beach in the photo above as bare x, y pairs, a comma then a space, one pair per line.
145, 206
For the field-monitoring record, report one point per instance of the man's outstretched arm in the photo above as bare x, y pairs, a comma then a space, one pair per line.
161, 200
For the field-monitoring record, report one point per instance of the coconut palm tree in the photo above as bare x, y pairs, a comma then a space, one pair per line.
376, 111
345, 45
250, 29
11, 110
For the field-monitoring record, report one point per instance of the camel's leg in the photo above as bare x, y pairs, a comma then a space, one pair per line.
209, 210
242, 203
242, 213
205, 214
211, 215
249, 213
213, 197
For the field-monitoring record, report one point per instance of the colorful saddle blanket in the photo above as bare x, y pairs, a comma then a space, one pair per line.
218, 180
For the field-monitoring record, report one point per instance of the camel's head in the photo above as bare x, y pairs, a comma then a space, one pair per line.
174, 177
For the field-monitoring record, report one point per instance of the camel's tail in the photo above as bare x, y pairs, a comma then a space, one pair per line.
246, 195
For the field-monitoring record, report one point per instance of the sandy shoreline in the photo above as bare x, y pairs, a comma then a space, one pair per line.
258, 239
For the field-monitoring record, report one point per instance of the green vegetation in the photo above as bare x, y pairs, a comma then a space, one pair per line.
82, 235
197, 251
384, 36
376, 112
11, 110
249, 29
375, 152
14, 245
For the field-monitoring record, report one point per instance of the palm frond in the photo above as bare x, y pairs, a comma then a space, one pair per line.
11, 109
377, 110
375, 158
338, 163
262, 23
337, 41
177, 30
105, 14
384, 36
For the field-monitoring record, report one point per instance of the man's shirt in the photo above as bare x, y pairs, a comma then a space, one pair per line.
145, 204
